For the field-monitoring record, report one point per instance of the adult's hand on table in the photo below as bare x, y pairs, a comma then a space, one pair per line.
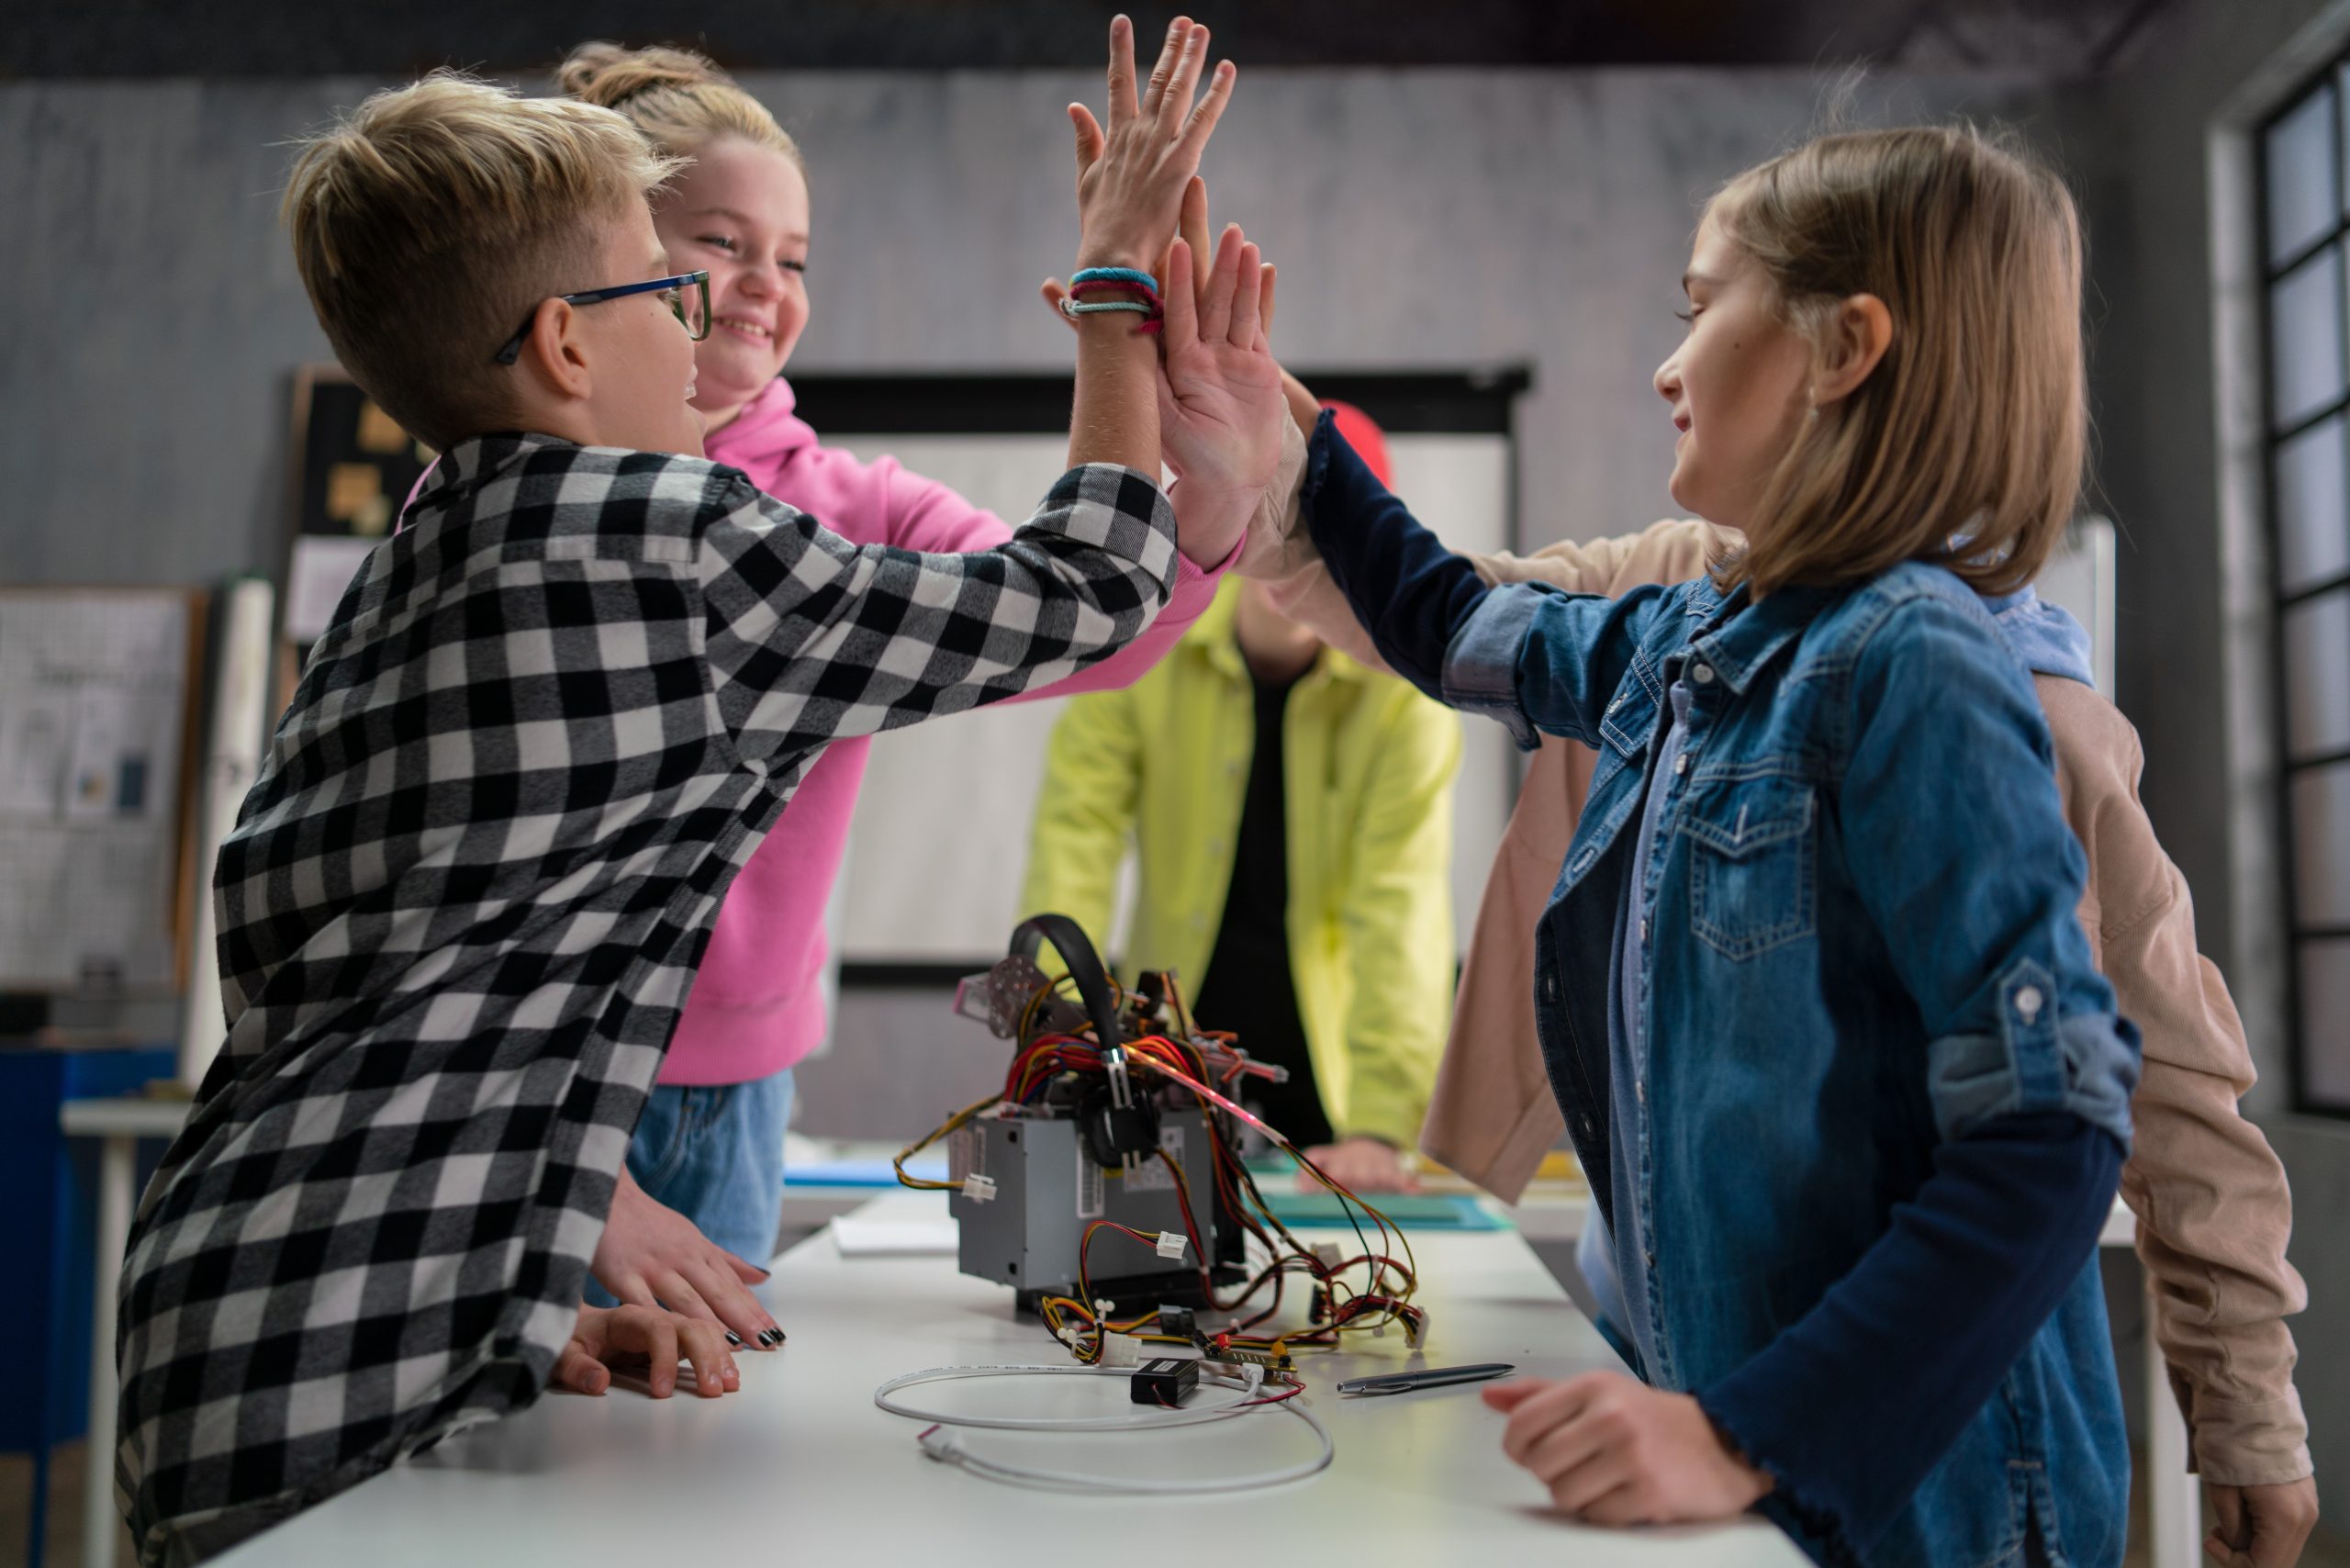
1359, 1164
652, 1256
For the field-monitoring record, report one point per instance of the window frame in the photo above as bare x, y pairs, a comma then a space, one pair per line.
2333, 78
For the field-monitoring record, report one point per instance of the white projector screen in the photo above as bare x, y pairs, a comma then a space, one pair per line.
941, 836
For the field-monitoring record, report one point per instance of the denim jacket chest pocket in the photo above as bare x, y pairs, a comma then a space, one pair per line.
1753, 863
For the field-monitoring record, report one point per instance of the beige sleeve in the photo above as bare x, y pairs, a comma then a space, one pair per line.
2214, 1210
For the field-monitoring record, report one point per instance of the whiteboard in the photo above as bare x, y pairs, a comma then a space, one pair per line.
93, 700
940, 841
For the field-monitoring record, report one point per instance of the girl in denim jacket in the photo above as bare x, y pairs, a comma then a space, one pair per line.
1850, 1092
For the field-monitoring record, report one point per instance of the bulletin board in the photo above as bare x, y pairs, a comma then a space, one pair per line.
98, 723
917, 905
353, 468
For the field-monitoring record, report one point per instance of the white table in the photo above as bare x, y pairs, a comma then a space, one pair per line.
2175, 1500
801, 1466
120, 1124
1554, 1214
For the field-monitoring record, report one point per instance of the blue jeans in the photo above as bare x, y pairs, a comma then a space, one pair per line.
714, 1153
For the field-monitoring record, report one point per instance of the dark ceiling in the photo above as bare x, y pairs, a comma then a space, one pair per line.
277, 38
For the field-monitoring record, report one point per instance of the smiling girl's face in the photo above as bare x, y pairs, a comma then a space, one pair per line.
1738, 384
741, 211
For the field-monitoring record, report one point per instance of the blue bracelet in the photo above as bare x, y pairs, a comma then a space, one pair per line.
1115, 275
1073, 310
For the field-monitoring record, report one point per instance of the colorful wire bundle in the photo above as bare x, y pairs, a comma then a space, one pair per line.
1056, 1062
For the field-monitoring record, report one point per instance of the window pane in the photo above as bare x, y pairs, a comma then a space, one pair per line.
2312, 506
2317, 674
2325, 1022
2322, 845
2299, 149
2305, 335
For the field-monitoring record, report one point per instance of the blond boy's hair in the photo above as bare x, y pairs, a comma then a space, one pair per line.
433, 219
1966, 443
679, 98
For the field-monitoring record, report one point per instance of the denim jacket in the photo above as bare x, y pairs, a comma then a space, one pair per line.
1851, 759
1864, 948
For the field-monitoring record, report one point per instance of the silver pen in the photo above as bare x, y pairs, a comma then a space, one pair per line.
1430, 1377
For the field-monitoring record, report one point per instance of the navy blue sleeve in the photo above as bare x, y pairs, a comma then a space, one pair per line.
1410, 592
1537, 660
1938, 1309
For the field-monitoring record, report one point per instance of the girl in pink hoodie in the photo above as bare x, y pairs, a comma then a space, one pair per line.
709, 1149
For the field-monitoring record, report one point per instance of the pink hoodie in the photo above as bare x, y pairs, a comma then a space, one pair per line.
756, 1007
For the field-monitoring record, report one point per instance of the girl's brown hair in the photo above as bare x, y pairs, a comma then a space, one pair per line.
680, 100
1964, 446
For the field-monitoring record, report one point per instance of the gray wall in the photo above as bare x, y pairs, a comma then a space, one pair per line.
1421, 219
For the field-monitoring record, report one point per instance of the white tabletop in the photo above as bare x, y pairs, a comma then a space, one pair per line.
127, 1117
801, 1467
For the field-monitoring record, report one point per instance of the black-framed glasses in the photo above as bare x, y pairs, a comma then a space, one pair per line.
689, 295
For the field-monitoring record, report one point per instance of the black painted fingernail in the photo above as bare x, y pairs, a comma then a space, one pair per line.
734, 1338
772, 1338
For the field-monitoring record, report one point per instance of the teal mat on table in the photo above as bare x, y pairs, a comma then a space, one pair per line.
862, 1173
1412, 1210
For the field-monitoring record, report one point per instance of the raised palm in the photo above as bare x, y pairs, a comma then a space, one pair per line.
1220, 403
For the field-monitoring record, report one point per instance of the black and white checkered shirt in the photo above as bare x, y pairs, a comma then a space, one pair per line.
464, 903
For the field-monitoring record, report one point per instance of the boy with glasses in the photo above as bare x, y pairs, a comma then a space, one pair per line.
547, 724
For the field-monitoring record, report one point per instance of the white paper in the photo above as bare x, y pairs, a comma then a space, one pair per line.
93, 688
857, 1236
35, 742
323, 567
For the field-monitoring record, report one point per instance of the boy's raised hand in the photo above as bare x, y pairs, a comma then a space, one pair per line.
1130, 177
1220, 402
1613, 1450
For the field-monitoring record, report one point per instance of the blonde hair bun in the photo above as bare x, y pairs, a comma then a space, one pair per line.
611, 73
677, 97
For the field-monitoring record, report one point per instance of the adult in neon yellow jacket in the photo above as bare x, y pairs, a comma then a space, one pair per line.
1293, 812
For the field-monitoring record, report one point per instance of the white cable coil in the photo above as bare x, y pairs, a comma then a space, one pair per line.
948, 1450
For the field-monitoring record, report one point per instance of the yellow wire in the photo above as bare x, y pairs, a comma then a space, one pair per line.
959, 1119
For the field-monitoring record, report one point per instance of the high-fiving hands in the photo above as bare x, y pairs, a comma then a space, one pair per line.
1220, 390
1220, 404
1131, 176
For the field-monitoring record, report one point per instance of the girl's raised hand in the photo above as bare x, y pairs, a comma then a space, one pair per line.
1220, 402
1130, 177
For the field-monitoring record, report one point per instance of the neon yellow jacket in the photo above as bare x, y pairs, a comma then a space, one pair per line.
1369, 764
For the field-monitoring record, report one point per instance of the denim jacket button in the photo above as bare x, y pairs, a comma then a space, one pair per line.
2028, 1003
1681, 764
1701, 673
